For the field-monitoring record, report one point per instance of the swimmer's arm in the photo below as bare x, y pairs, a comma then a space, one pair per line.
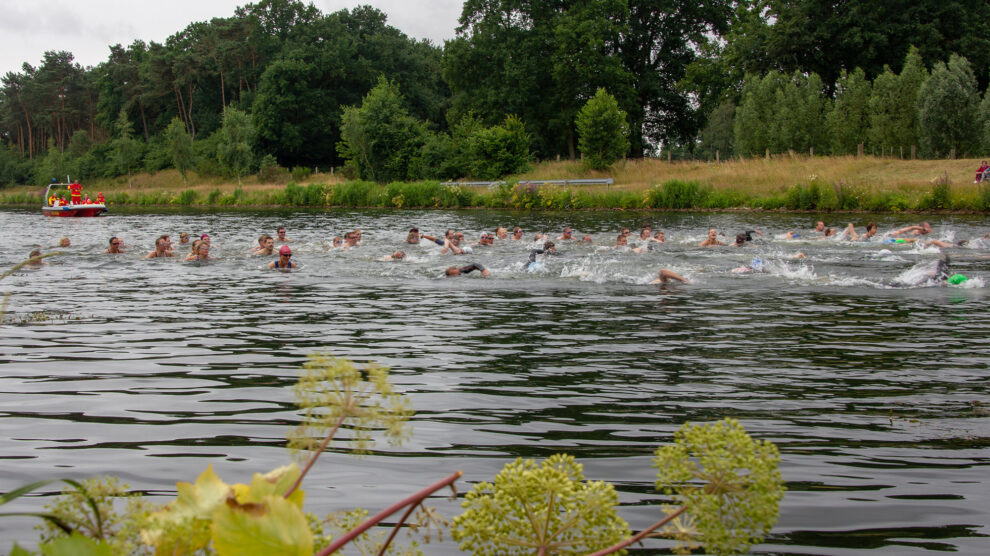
271, 264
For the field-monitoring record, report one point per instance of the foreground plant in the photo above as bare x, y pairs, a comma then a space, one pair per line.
728, 486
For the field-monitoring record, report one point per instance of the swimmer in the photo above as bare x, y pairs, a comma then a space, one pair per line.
820, 226
457, 271
284, 261
115, 246
659, 237
412, 237
280, 235
266, 245
396, 256
665, 276
850, 232
356, 236
916, 230
586, 238
446, 244
338, 242
205, 238
64, 242
567, 233
202, 253
548, 250
940, 243
160, 249
621, 242
756, 265
34, 258
740, 240
351, 240
486, 239
644, 234
501, 233
183, 238
711, 240
517, 233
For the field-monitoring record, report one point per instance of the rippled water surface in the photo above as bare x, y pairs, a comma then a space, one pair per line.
871, 380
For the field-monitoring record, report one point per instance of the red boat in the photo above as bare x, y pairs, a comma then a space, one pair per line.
75, 207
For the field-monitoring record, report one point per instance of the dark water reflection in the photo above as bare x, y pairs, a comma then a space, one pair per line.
152, 370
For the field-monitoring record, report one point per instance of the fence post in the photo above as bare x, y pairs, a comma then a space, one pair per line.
768, 154
859, 150
952, 154
716, 157
902, 152
669, 153
811, 152
914, 151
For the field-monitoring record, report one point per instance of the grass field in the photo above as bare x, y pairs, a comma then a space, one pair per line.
781, 182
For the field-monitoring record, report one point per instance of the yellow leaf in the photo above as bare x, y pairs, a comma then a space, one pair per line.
182, 526
274, 526
274, 483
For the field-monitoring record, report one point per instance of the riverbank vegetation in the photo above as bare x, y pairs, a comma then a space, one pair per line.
725, 486
783, 182
280, 88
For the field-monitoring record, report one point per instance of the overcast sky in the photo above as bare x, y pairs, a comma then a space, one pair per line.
87, 28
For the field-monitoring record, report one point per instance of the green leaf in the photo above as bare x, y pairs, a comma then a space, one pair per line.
274, 483
275, 526
16, 550
183, 525
75, 545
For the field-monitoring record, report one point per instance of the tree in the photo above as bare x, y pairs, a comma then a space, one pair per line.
718, 137
380, 139
985, 121
234, 147
499, 150
798, 121
948, 108
126, 152
755, 113
603, 131
180, 146
848, 121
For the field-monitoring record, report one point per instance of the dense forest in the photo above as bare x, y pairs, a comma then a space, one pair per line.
279, 84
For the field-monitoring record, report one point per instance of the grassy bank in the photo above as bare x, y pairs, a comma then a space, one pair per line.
781, 183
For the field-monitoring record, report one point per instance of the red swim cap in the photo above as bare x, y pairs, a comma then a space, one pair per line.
284, 250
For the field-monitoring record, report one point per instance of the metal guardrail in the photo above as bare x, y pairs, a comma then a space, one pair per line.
592, 181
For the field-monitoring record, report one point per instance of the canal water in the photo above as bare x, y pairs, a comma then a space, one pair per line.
870, 377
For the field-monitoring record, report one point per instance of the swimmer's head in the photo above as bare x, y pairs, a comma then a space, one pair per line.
957, 279
452, 271
740, 239
548, 246
399, 255
284, 250
64, 242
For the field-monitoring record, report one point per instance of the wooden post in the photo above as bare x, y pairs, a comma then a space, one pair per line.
914, 151
859, 150
811, 152
952, 154
716, 157
902, 152
768, 154
331, 170
558, 157
669, 153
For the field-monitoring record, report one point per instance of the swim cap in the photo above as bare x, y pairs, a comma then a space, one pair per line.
957, 279
284, 250
757, 265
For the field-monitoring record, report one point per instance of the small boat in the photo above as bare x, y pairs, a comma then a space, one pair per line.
75, 207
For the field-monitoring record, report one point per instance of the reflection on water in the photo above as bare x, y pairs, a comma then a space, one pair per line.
154, 369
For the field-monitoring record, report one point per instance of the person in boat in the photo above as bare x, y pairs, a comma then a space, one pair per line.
979, 172
87, 200
161, 249
457, 271
116, 246
266, 246
711, 240
396, 256
201, 254
99, 198
284, 261
52, 200
280, 235
75, 193
665, 276
61, 202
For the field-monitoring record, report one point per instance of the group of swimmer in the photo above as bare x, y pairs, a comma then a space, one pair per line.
453, 242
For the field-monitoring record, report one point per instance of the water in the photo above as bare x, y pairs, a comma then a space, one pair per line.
875, 393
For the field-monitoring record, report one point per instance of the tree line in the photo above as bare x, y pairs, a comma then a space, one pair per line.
281, 84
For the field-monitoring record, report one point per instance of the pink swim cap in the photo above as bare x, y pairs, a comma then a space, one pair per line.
284, 250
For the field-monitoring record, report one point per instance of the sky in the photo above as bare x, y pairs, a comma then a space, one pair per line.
87, 28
